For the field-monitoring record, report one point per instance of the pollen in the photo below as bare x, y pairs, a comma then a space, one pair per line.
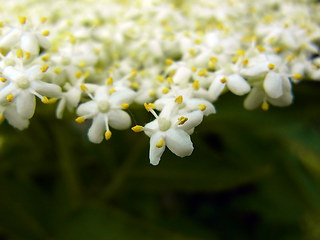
241, 52
152, 93
20, 53
160, 144
134, 72
149, 106
137, 128
112, 91
22, 20
192, 52
46, 33
57, 70
182, 120
202, 107
134, 85
45, 100
169, 61
82, 64
78, 74
124, 105
10, 97
197, 41
235, 59
265, 106
27, 55
223, 80
271, 66
297, 76
160, 78
44, 68
1, 117
179, 99
245, 62
109, 81
165, 90
52, 100
193, 69
2, 79
170, 80
86, 74
289, 58
277, 49
80, 120
260, 48
202, 73
107, 135
43, 19
195, 85
83, 87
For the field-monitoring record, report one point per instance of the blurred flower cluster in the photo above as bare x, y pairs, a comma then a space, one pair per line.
175, 59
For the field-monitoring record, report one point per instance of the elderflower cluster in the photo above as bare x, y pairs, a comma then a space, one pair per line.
175, 58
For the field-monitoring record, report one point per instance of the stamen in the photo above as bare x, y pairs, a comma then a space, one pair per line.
78, 74
297, 76
169, 61
80, 120
223, 80
195, 85
265, 106
112, 91
44, 68
160, 144
46, 33
109, 81
170, 80
43, 19
124, 105
165, 90
19, 53
202, 107
22, 20
137, 128
271, 66
45, 100
202, 73
27, 55
2, 79
179, 99
83, 87
10, 97
107, 135
182, 120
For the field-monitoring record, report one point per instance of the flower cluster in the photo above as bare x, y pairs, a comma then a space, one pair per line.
95, 58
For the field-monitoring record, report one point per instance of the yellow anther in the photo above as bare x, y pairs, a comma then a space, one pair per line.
245, 62
19, 53
46, 33
52, 100
271, 40
223, 80
57, 70
160, 144
271, 66
235, 59
277, 49
1, 117
10, 97
260, 48
169, 61
149, 106
187, 34
134, 72
22, 20
72, 39
172, 73
83, 88
78, 74
192, 52
195, 85
112, 91
107, 135
96, 51
290, 58
137, 128
202, 107
86, 74
43, 19
44, 68
297, 76
2, 79
265, 106
82, 64
202, 73
1, 24
240, 52
109, 81
170, 80
193, 69
160, 78
286, 25
45, 100
197, 41
27, 55
182, 120
80, 119
214, 59
134, 85
124, 105
179, 99
152, 93
165, 90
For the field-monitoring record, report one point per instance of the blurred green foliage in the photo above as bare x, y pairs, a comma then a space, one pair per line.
253, 175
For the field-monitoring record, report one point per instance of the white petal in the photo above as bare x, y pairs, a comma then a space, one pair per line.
73, 97
87, 108
182, 75
155, 153
10, 39
151, 127
216, 88
29, 43
283, 101
194, 119
15, 119
237, 84
26, 104
179, 142
254, 98
12, 73
255, 71
273, 85
119, 119
122, 96
34, 72
46, 89
60, 108
43, 41
97, 129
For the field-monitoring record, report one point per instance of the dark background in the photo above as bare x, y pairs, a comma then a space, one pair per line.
252, 175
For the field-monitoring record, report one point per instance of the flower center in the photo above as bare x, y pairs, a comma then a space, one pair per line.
164, 124
23, 82
103, 106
